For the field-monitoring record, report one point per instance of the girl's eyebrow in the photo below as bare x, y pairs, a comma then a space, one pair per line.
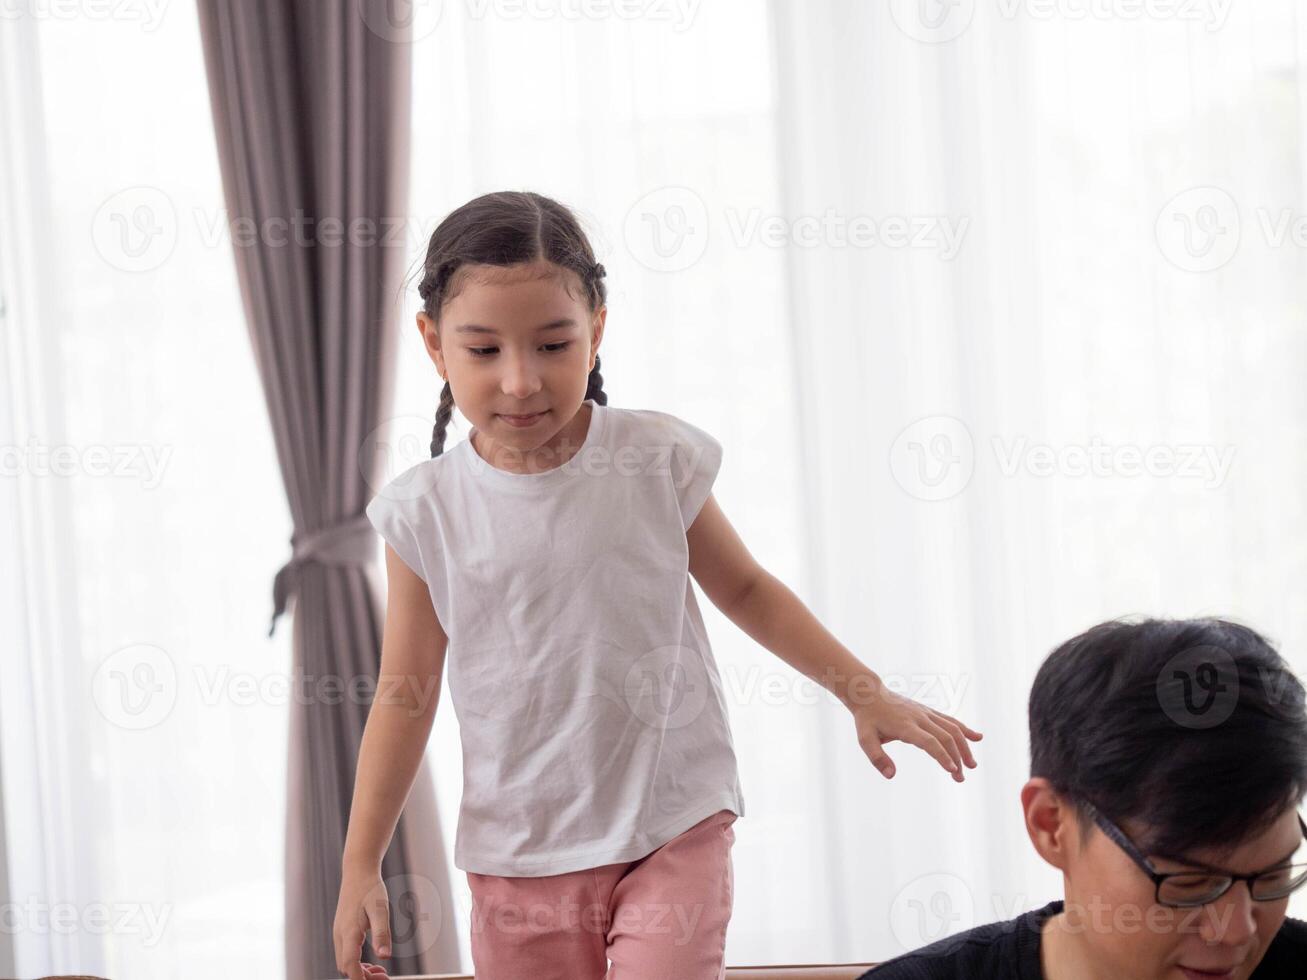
477, 328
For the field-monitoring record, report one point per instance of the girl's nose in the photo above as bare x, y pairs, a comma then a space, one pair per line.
520, 380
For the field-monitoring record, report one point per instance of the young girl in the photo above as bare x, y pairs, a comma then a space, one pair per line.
550, 555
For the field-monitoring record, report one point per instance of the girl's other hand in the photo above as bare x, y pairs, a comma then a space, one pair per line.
891, 716
363, 907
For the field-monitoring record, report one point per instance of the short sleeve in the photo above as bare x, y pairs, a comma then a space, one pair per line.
385, 514
695, 460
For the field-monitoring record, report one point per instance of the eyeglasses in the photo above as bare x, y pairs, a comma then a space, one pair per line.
1189, 889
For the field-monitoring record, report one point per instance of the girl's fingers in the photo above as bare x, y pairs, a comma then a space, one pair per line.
946, 738
967, 730
876, 753
928, 742
954, 729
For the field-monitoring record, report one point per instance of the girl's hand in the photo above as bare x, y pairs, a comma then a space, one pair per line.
892, 716
363, 907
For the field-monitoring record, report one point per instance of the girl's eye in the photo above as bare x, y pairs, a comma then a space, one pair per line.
488, 351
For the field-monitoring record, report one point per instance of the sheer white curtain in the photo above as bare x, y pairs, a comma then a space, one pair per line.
1089, 407
143, 705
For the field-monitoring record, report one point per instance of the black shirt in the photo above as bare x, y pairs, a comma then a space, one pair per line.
1010, 951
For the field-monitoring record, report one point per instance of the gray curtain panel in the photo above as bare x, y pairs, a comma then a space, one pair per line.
311, 104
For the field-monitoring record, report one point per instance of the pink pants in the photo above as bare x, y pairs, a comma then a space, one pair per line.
662, 917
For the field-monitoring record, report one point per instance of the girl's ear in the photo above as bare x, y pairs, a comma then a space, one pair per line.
598, 333
431, 341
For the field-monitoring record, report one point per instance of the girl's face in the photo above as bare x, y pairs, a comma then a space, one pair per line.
513, 342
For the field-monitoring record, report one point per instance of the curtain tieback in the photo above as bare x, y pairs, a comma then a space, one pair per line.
351, 542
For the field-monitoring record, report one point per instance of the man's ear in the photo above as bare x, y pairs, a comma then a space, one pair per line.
1051, 822
431, 341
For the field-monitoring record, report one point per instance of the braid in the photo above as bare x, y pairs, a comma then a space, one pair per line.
595, 389
443, 414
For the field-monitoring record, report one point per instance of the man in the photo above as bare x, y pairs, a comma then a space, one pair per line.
1168, 761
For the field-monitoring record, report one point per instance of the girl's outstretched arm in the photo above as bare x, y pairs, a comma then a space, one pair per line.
395, 737
762, 606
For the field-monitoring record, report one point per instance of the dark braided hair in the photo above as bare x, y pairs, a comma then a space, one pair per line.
506, 228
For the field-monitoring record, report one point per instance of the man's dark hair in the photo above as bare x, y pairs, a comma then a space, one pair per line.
1195, 728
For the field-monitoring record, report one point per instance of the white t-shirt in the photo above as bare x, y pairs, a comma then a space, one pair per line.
591, 712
